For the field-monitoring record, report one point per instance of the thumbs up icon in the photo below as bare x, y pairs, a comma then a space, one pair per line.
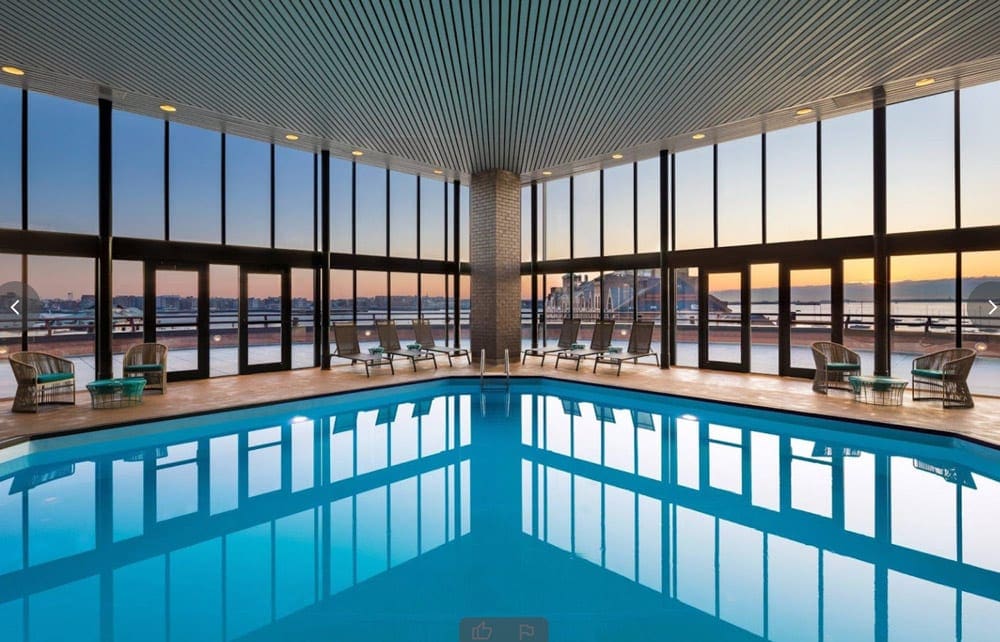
481, 632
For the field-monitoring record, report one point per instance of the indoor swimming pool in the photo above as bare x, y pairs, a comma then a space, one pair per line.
394, 514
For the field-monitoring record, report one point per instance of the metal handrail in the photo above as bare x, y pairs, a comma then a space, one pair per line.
482, 368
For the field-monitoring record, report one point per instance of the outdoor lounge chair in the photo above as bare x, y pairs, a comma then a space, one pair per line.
423, 335
834, 366
942, 375
567, 337
147, 360
599, 344
346, 336
388, 338
42, 379
639, 341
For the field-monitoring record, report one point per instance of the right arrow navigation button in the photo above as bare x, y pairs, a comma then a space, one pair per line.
982, 308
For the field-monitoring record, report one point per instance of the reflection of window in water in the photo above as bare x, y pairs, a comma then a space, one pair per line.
803, 515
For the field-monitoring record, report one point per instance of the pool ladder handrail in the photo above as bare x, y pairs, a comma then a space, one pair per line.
482, 368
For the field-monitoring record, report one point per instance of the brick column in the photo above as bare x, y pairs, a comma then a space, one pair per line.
495, 245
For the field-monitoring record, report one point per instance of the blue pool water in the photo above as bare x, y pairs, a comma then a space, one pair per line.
393, 514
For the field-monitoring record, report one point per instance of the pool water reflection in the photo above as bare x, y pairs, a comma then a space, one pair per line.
394, 514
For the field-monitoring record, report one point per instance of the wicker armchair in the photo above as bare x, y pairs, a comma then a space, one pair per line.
42, 379
147, 360
834, 366
942, 375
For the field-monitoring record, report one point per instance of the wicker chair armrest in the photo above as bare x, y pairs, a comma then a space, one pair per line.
958, 366
64, 365
852, 356
24, 371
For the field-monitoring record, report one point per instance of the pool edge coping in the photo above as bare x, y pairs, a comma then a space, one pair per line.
969, 439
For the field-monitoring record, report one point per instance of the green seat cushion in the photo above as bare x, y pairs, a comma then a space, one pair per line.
49, 377
843, 367
144, 367
927, 374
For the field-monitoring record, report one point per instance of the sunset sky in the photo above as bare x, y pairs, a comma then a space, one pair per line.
62, 195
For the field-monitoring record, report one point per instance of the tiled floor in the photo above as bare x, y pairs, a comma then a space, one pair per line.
981, 423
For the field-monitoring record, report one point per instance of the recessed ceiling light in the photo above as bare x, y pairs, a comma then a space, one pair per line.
357, 152
168, 108
291, 137
805, 111
698, 136
13, 71
617, 156
546, 173
923, 82
439, 171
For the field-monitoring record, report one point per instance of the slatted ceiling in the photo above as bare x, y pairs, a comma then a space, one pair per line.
474, 85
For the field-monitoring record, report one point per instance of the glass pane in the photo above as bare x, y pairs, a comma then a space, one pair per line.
859, 310
465, 305
341, 188
586, 296
10, 325
847, 175
724, 326
463, 217
647, 298
404, 303
62, 165
922, 305
248, 192
686, 316
980, 162
809, 297
526, 311
264, 323
10, 157
555, 219
177, 317
979, 332
555, 305
137, 175
618, 295
587, 214
791, 184
449, 214
764, 318
341, 296
195, 190
403, 215
371, 215
224, 292
303, 331
372, 306
648, 203
739, 192
126, 288
619, 203
920, 166
432, 228
434, 289
694, 194
526, 223
293, 198
64, 326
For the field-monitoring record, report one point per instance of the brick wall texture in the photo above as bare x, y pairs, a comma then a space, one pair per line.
495, 255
